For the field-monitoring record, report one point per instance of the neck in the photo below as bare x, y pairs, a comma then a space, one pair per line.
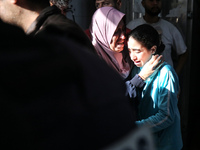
151, 19
27, 18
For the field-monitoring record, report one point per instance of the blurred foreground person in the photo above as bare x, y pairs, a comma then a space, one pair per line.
36, 17
53, 97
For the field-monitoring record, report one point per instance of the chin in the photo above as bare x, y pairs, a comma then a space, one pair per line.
139, 66
119, 50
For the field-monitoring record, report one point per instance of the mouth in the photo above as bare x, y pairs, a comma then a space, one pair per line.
120, 43
137, 63
155, 9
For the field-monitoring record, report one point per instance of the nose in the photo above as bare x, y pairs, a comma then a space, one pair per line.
155, 2
100, 5
133, 56
123, 36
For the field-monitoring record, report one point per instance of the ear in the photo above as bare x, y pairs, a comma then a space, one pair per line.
153, 49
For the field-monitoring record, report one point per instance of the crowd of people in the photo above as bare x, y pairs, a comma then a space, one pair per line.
65, 88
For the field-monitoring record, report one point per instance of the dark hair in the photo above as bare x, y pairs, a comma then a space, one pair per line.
38, 3
148, 36
115, 3
61, 4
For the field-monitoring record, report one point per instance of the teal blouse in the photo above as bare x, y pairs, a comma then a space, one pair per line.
158, 107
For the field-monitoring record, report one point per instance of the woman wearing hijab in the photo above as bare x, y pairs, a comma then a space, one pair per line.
108, 37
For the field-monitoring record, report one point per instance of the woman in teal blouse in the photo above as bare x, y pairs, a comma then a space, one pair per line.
158, 100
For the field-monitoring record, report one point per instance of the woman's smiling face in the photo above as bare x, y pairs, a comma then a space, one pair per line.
138, 53
118, 39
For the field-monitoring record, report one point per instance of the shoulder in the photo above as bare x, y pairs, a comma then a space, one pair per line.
163, 21
165, 67
61, 21
169, 25
135, 21
132, 24
168, 79
167, 72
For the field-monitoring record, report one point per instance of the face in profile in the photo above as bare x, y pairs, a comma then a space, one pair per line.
118, 39
108, 3
139, 54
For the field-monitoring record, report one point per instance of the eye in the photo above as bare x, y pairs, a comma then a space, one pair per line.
106, 4
137, 51
120, 31
117, 32
97, 6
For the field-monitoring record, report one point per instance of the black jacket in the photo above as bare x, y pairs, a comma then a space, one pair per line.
51, 21
55, 97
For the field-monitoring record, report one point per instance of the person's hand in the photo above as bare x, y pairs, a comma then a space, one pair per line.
149, 68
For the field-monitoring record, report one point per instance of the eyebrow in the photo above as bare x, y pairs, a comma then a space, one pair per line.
134, 49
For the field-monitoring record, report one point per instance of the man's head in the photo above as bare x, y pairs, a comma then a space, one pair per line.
111, 3
152, 7
61, 4
18, 12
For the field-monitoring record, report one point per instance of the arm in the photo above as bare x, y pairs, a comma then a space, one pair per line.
135, 82
180, 48
166, 103
181, 62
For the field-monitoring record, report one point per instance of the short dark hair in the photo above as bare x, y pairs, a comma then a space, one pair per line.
59, 1
148, 36
38, 3
61, 4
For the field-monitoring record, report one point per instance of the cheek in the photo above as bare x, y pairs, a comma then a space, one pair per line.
145, 57
112, 43
132, 55
135, 56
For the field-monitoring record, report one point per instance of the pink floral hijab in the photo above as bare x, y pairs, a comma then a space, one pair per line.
104, 23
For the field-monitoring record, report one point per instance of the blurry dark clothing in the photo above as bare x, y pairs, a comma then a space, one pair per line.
51, 16
54, 95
